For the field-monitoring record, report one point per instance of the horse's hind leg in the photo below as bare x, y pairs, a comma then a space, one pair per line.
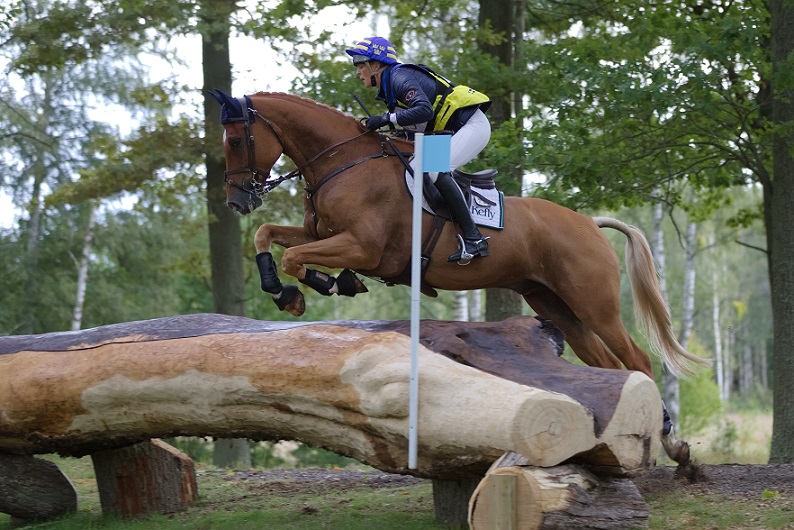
578, 335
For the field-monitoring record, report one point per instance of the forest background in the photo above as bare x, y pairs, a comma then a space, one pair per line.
674, 116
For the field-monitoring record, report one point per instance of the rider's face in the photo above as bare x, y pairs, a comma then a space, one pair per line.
365, 72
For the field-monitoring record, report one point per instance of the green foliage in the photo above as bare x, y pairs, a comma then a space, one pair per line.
699, 396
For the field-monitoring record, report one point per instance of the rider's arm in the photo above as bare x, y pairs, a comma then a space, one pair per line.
409, 91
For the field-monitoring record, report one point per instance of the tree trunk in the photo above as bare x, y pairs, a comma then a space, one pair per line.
226, 254
82, 270
498, 14
501, 304
670, 387
516, 496
485, 388
719, 362
475, 306
779, 217
143, 478
451, 500
460, 306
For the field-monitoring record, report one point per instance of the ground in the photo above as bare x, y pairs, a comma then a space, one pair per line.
729, 480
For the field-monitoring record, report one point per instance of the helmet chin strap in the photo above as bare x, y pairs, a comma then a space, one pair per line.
372, 75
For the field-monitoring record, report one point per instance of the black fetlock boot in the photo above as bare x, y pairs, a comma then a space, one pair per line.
472, 244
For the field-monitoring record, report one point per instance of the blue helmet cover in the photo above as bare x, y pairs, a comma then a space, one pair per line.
376, 48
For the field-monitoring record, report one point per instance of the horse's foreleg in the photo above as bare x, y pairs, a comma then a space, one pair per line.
346, 284
342, 251
287, 298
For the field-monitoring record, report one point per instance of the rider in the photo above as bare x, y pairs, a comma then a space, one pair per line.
420, 100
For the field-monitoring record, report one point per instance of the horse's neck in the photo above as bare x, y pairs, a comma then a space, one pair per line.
307, 128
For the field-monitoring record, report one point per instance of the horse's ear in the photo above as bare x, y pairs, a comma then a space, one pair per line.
216, 94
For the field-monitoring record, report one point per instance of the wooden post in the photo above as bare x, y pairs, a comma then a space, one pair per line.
146, 477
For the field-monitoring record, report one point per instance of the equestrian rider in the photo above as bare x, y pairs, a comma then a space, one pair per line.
420, 100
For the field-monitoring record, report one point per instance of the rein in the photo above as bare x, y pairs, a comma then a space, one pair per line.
260, 187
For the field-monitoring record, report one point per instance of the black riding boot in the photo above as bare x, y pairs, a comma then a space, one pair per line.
472, 244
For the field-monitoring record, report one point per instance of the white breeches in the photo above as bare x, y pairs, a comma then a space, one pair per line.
467, 143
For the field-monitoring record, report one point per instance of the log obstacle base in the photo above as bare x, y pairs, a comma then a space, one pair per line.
557, 443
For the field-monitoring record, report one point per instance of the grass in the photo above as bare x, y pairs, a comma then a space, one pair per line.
242, 505
673, 511
247, 505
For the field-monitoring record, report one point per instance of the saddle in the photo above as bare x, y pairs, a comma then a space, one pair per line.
468, 183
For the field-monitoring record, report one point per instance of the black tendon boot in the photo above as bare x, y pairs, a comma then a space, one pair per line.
472, 244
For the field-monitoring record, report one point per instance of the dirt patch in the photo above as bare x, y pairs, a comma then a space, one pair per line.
312, 480
729, 480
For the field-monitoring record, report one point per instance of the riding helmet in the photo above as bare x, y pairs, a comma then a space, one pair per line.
373, 48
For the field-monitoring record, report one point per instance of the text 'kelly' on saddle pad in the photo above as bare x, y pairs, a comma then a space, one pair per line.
485, 204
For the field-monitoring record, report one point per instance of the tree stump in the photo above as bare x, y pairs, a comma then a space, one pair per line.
515, 496
150, 476
32, 488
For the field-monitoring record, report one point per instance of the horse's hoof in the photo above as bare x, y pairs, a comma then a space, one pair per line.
291, 300
349, 284
677, 450
298, 305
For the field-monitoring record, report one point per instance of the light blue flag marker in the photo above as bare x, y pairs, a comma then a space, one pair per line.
436, 152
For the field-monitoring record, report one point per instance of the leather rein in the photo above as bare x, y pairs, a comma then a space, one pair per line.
261, 186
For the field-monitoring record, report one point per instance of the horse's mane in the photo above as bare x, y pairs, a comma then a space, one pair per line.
306, 102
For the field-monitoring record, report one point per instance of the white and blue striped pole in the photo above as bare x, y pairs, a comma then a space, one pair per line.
435, 159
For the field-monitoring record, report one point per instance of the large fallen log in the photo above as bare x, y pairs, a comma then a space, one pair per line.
338, 385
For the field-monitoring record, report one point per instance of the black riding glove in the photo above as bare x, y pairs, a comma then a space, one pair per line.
376, 122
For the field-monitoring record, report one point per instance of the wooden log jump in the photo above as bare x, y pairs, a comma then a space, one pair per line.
485, 389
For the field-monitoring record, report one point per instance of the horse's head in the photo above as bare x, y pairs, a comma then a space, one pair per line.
246, 182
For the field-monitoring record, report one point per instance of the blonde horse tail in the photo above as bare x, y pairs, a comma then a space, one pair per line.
650, 306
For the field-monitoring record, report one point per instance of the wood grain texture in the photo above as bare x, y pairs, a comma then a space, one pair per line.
485, 388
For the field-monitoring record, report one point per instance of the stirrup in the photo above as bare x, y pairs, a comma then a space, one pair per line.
463, 256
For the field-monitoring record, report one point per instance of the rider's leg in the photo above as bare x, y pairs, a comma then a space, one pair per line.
473, 243
465, 145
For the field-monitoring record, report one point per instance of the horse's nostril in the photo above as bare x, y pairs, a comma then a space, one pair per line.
234, 206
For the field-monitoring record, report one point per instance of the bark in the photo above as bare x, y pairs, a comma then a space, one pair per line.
460, 306
719, 361
485, 388
451, 500
779, 217
32, 488
514, 495
39, 173
146, 477
498, 14
82, 271
670, 387
475, 306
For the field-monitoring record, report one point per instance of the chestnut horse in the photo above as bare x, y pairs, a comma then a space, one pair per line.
358, 218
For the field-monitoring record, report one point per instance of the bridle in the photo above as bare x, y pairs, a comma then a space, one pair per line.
259, 186
262, 186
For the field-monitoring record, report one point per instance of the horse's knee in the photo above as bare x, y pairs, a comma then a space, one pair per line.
263, 238
291, 266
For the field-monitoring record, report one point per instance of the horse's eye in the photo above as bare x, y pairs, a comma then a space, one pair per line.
235, 141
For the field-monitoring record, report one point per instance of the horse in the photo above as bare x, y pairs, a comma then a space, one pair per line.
358, 217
